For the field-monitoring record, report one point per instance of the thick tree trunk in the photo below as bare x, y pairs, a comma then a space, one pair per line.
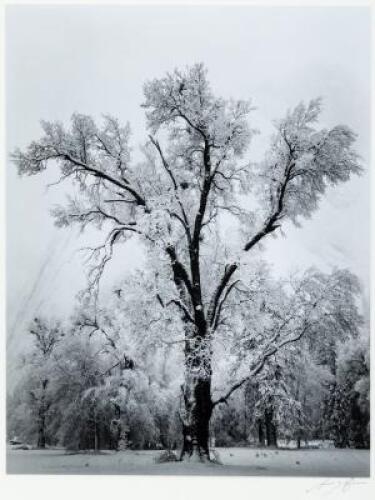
196, 407
196, 418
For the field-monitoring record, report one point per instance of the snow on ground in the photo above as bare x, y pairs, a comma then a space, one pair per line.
236, 461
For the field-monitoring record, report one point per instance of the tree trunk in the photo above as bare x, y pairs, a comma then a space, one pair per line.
271, 432
196, 407
42, 430
96, 438
196, 419
260, 433
43, 407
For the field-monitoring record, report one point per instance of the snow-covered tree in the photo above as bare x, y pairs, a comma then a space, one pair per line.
349, 419
314, 307
35, 391
192, 174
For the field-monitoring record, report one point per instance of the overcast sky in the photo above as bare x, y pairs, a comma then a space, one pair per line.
95, 60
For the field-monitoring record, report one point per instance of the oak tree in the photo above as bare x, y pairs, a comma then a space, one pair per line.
193, 173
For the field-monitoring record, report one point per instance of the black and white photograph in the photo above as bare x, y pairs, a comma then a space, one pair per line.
187, 240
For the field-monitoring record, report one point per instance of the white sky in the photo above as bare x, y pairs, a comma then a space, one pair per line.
95, 60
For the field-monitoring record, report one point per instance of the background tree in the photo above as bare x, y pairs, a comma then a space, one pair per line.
37, 384
350, 416
114, 379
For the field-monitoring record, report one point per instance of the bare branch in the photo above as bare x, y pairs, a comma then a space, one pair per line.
183, 308
228, 272
216, 315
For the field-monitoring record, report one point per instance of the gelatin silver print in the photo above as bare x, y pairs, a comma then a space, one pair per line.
188, 248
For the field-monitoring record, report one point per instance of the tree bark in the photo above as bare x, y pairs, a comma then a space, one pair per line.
196, 419
197, 403
271, 431
260, 433
42, 431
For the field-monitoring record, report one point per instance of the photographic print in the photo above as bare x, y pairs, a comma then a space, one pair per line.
187, 240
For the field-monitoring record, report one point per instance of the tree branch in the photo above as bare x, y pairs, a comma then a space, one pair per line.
217, 312
228, 272
167, 168
179, 271
258, 366
269, 226
98, 173
183, 308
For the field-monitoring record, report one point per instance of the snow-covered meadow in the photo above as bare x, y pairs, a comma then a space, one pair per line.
235, 462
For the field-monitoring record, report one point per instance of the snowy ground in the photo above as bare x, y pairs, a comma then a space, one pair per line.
236, 461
